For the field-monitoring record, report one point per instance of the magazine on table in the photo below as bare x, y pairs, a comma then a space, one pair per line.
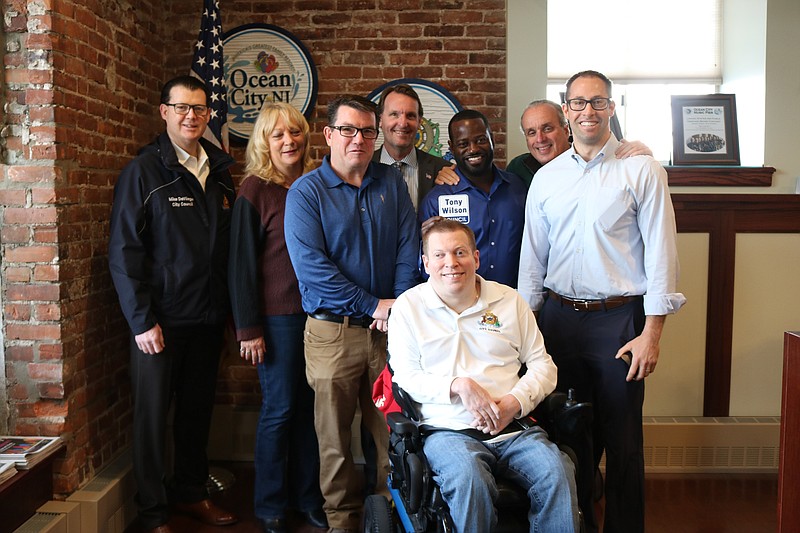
8, 469
27, 451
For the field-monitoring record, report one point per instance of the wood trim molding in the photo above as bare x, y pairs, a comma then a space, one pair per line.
722, 216
720, 176
789, 471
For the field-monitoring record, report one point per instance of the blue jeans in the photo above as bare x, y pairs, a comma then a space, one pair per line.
465, 470
286, 455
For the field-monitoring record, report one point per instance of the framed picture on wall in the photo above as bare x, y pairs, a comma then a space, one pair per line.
704, 130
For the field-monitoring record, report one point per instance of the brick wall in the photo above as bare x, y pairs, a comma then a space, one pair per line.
357, 45
81, 81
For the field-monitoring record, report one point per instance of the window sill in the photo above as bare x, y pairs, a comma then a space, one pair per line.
722, 176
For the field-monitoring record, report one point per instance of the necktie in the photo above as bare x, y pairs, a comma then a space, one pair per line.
398, 165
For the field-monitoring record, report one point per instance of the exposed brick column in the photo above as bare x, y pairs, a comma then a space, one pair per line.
79, 88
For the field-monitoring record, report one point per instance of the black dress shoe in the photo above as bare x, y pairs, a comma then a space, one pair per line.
272, 525
316, 518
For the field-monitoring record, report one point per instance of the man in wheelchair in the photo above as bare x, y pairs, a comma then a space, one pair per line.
457, 344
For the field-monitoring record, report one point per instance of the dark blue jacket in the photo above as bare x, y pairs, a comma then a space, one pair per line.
168, 249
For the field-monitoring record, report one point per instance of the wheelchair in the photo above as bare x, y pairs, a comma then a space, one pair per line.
418, 503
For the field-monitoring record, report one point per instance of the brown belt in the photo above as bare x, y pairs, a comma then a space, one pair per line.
592, 305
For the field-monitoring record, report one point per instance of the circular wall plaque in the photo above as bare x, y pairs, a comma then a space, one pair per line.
265, 63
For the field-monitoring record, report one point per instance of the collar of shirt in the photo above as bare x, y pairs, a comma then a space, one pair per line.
410, 159
198, 166
489, 295
609, 148
464, 183
332, 180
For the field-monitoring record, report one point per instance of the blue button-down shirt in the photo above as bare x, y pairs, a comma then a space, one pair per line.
601, 229
351, 246
497, 218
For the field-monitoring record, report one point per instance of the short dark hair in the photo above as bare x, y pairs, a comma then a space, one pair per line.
446, 225
188, 82
466, 114
590, 74
358, 103
400, 88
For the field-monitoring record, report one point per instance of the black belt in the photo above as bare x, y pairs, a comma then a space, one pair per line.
348, 321
592, 305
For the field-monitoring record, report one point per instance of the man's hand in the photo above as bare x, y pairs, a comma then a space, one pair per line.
486, 413
151, 341
509, 408
428, 223
381, 315
447, 176
644, 348
631, 148
253, 350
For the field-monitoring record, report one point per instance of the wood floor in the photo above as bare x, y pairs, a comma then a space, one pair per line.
720, 503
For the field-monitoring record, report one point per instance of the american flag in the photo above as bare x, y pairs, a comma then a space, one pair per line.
207, 65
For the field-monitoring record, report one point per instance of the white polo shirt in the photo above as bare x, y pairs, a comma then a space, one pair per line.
430, 345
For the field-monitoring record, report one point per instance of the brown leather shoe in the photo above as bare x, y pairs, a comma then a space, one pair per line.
207, 512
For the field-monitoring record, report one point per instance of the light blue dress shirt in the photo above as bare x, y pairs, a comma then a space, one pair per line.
600, 229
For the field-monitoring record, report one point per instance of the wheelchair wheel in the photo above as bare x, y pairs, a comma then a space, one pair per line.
378, 515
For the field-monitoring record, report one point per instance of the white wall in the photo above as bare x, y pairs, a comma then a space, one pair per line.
744, 62
527, 64
783, 93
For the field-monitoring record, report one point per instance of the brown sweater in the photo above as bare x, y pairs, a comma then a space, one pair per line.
260, 275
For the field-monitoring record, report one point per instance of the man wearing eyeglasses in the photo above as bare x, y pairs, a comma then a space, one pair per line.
168, 256
547, 135
599, 263
352, 236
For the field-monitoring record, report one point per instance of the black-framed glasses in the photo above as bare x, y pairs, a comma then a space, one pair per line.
183, 109
579, 104
352, 131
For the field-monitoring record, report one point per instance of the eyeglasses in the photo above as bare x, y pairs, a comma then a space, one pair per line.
352, 131
579, 104
183, 109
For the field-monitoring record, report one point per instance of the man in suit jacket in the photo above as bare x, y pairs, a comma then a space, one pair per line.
400, 112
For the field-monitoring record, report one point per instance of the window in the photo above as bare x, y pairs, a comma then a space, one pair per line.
649, 49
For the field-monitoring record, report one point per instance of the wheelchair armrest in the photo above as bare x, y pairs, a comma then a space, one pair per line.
402, 425
560, 413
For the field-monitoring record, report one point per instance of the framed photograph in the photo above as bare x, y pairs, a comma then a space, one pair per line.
704, 130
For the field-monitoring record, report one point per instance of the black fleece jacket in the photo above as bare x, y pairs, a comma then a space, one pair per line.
168, 249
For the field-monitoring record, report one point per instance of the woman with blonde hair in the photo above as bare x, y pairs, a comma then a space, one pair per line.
270, 320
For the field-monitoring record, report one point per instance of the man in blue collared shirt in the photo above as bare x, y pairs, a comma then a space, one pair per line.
599, 263
353, 240
488, 200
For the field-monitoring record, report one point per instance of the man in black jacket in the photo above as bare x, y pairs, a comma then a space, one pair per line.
168, 254
400, 111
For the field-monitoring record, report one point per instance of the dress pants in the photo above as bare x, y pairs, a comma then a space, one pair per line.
342, 362
186, 372
583, 346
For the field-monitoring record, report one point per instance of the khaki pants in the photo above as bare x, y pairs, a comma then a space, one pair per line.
341, 364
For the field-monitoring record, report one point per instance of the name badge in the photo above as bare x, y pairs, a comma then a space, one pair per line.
455, 206
181, 201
